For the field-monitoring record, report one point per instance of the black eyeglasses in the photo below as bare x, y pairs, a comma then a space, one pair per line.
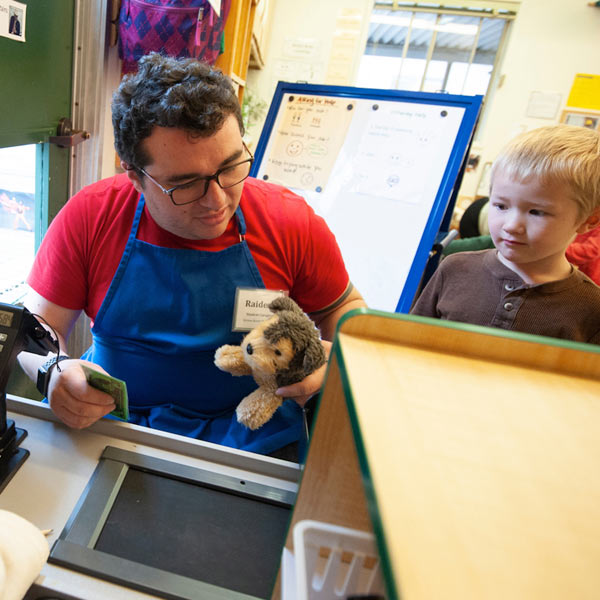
189, 192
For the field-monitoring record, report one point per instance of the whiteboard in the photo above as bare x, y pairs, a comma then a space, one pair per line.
379, 166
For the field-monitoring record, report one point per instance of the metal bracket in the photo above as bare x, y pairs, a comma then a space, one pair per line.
66, 137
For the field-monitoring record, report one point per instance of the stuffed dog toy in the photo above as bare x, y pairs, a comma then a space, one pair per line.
280, 351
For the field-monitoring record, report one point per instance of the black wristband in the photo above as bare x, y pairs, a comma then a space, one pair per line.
44, 372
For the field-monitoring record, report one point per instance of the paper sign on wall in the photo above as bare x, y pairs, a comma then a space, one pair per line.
307, 141
12, 20
585, 92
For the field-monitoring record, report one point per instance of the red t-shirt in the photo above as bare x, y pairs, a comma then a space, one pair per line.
293, 248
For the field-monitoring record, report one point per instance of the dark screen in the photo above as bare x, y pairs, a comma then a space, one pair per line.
206, 534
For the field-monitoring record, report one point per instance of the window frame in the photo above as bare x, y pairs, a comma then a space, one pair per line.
491, 9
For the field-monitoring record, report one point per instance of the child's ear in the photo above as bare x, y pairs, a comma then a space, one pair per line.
592, 221
133, 176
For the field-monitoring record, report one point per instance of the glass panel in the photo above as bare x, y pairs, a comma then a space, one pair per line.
462, 60
412, 74
488, 45
413, 67
436, 76
388, 32
378, 71
469, 80
475, 78
454, 42
17, 218
381, 63
478, 79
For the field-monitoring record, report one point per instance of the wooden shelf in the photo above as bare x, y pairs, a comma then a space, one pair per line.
238, 37
471, 453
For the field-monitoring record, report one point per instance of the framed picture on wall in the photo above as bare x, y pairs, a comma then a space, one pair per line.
581, 118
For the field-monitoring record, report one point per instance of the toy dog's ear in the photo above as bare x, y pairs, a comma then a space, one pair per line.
284, 303
314, 357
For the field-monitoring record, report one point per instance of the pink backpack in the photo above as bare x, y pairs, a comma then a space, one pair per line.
179, 28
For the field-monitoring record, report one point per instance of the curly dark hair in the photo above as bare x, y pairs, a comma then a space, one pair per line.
169, 92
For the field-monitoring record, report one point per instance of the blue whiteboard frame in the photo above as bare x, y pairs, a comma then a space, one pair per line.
442, 206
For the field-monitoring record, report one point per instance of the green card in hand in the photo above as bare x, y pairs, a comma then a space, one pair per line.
113, 387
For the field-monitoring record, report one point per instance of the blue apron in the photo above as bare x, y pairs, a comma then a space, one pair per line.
166, 312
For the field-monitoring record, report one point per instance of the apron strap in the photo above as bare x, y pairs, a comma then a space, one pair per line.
126, 255
241, 222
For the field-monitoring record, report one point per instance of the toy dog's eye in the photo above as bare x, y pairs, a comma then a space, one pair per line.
278, 352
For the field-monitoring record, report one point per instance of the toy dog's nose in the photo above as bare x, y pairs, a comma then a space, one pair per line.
249, 349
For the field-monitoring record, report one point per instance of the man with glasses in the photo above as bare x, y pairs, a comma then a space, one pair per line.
157, 257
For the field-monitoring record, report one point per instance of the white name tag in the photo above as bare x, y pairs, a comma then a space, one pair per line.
252, 307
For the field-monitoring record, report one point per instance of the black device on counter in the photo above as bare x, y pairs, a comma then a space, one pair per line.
19, 331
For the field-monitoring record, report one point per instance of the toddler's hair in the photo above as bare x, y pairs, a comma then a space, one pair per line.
555, 155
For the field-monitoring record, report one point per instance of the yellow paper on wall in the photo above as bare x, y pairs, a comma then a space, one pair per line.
585, 92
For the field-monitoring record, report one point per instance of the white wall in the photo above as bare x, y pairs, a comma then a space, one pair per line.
314, 22
292, 23
551, 41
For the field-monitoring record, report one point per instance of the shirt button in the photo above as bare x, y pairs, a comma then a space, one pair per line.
508, 305
509, 287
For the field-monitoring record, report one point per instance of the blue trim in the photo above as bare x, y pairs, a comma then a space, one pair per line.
442, 205
448, 190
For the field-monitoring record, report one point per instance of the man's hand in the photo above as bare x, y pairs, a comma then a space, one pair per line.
326, 320
302, 391
72, 400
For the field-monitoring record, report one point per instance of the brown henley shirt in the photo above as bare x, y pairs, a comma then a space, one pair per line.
475, 287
